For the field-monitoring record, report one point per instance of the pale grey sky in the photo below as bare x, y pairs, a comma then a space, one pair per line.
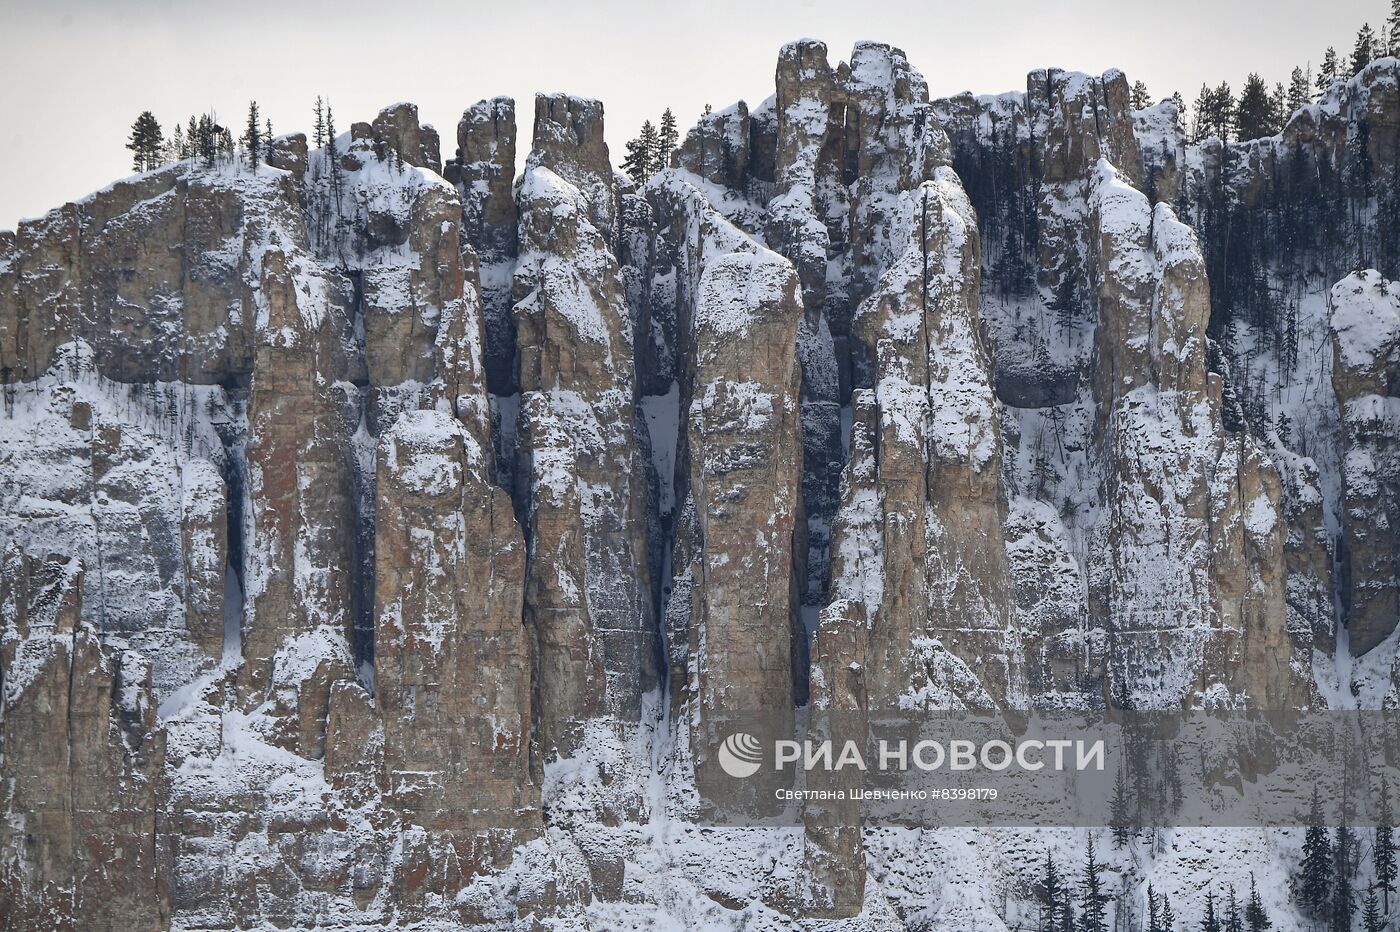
75, 73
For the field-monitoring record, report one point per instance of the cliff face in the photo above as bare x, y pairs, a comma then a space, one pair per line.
387, 539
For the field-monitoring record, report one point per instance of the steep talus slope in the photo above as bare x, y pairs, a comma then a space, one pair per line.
387, 540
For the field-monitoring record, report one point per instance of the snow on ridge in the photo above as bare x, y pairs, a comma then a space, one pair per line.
733, 286
541, 188
1365, 317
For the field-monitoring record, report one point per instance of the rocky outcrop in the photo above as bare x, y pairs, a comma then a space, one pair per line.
1365, 364
396, 130
82, 763
1189, 550
568, 140
483, 171
1080, 119
926, 447
815, 171
140, 499
452, 662
391, 548
186, 317
300, 563
1104, 369
732, 619
581, 474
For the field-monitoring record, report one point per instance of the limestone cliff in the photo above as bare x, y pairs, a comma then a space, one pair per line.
387, 538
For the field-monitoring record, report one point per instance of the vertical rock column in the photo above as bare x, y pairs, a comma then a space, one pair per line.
453, 666
919, 539
581, 468
1188, 553
483, 172
731, 615
1365, 368
742, 451
300, 559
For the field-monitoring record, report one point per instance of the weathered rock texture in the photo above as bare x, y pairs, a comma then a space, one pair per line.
920, 535
731, 624
452, 661
581, 456
1127, 478
82, 763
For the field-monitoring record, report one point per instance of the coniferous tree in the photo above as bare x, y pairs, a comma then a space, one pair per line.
146, 143
1255, 112
1392, 26
1278, 108
1180, 107
330, 132
192, 139
252, 136
1222, 111
332, 165
651, 146
1215, 112
637, 163
178, 150
667, 139
1210, 922
1168, 917
1314, 888
1141, 99
319, 128
1065, 301
1154, 916
1119, 810
1289, 338
1092, 899
1050, 894
1343, 861
1364, 50
1299, 90
1233, 921
1255, 919
1200, 127
1371, 915
1383, 852
208, 134
1328, 71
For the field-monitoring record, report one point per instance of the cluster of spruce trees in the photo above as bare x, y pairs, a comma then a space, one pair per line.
1082, 906
202, 137
1260, 111
1328, 887
1069, 907
650, 151
329, 222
